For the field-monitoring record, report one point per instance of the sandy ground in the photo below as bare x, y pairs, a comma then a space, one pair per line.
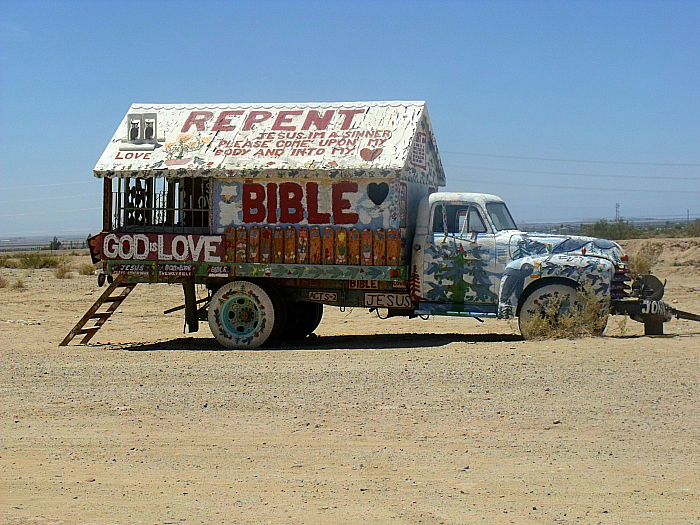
395, 421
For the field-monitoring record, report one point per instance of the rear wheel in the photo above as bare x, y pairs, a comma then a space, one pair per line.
244, 315
302, 319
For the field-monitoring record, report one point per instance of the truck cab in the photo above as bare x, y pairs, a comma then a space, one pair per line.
470, 259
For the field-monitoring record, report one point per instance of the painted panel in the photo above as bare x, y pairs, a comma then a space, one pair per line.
176, 270
315, 249
265, 244
223, 140
341, 246
379, 248
354, 246
316, 271
241, 244
458, 271
163, 247
277, 245
393, 247
290, 245
230, 239
345, 203
367, 245
303, 245
254, 245
328, 246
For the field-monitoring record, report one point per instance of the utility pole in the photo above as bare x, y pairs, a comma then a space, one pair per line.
617, 212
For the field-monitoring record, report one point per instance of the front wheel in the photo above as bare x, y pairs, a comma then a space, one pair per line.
243, 315
559, 310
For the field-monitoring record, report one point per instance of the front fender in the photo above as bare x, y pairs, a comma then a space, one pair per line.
520, 274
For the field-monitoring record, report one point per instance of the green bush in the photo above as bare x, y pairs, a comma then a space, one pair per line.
693, 229
612, 230
622, 229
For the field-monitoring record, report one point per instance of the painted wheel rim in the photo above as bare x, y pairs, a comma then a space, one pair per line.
240, 315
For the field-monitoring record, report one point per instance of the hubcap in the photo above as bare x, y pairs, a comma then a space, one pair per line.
240, 315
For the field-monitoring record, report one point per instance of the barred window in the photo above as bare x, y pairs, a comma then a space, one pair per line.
160, 205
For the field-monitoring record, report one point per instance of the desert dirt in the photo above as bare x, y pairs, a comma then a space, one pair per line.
371, 421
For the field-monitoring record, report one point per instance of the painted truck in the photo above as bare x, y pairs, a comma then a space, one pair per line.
279, 209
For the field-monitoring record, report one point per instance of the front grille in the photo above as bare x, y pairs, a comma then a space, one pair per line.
619, 287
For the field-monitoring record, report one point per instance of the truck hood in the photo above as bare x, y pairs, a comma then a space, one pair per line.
523, 244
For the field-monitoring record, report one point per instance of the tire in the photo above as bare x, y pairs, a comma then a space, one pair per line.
302, 319
243, 315
550, 303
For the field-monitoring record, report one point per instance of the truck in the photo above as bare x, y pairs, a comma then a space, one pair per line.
279, 209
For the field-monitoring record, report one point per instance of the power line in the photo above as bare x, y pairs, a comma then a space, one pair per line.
56, 198
548, 159
45, 185
581, 188
51, 212
652, 177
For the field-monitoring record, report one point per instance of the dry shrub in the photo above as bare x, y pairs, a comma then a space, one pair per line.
693, 229
644, 260
558, 322
3, 282
63, 271
7, 261
19, 285
86, 269
38, 260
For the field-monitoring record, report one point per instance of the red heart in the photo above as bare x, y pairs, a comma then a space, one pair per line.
370, 154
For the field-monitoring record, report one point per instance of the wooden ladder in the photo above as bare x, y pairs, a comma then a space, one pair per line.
100, 318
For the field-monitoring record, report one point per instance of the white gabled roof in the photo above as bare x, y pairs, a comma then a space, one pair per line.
222, 140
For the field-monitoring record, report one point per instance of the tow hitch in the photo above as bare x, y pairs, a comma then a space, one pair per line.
645, 305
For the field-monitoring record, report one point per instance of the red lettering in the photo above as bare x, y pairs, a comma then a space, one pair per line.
314, 118
253, 202
349, 115
198, 118
290, 199
284, 119
340, 204
272, 203
132, 155
223, 123
255, 117
314, 217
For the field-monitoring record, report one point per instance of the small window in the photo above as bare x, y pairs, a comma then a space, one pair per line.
470, 221
457, 219
438, 224
500, 216
141, 127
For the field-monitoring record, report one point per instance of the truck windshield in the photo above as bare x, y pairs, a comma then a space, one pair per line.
500, 216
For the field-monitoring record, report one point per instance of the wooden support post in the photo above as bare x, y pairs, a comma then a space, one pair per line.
107, 205
191, 316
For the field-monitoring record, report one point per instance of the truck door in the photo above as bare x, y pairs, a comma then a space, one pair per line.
460, 256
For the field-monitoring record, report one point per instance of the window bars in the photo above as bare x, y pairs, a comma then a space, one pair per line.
158, 205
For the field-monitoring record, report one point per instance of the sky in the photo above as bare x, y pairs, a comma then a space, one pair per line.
570, 111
